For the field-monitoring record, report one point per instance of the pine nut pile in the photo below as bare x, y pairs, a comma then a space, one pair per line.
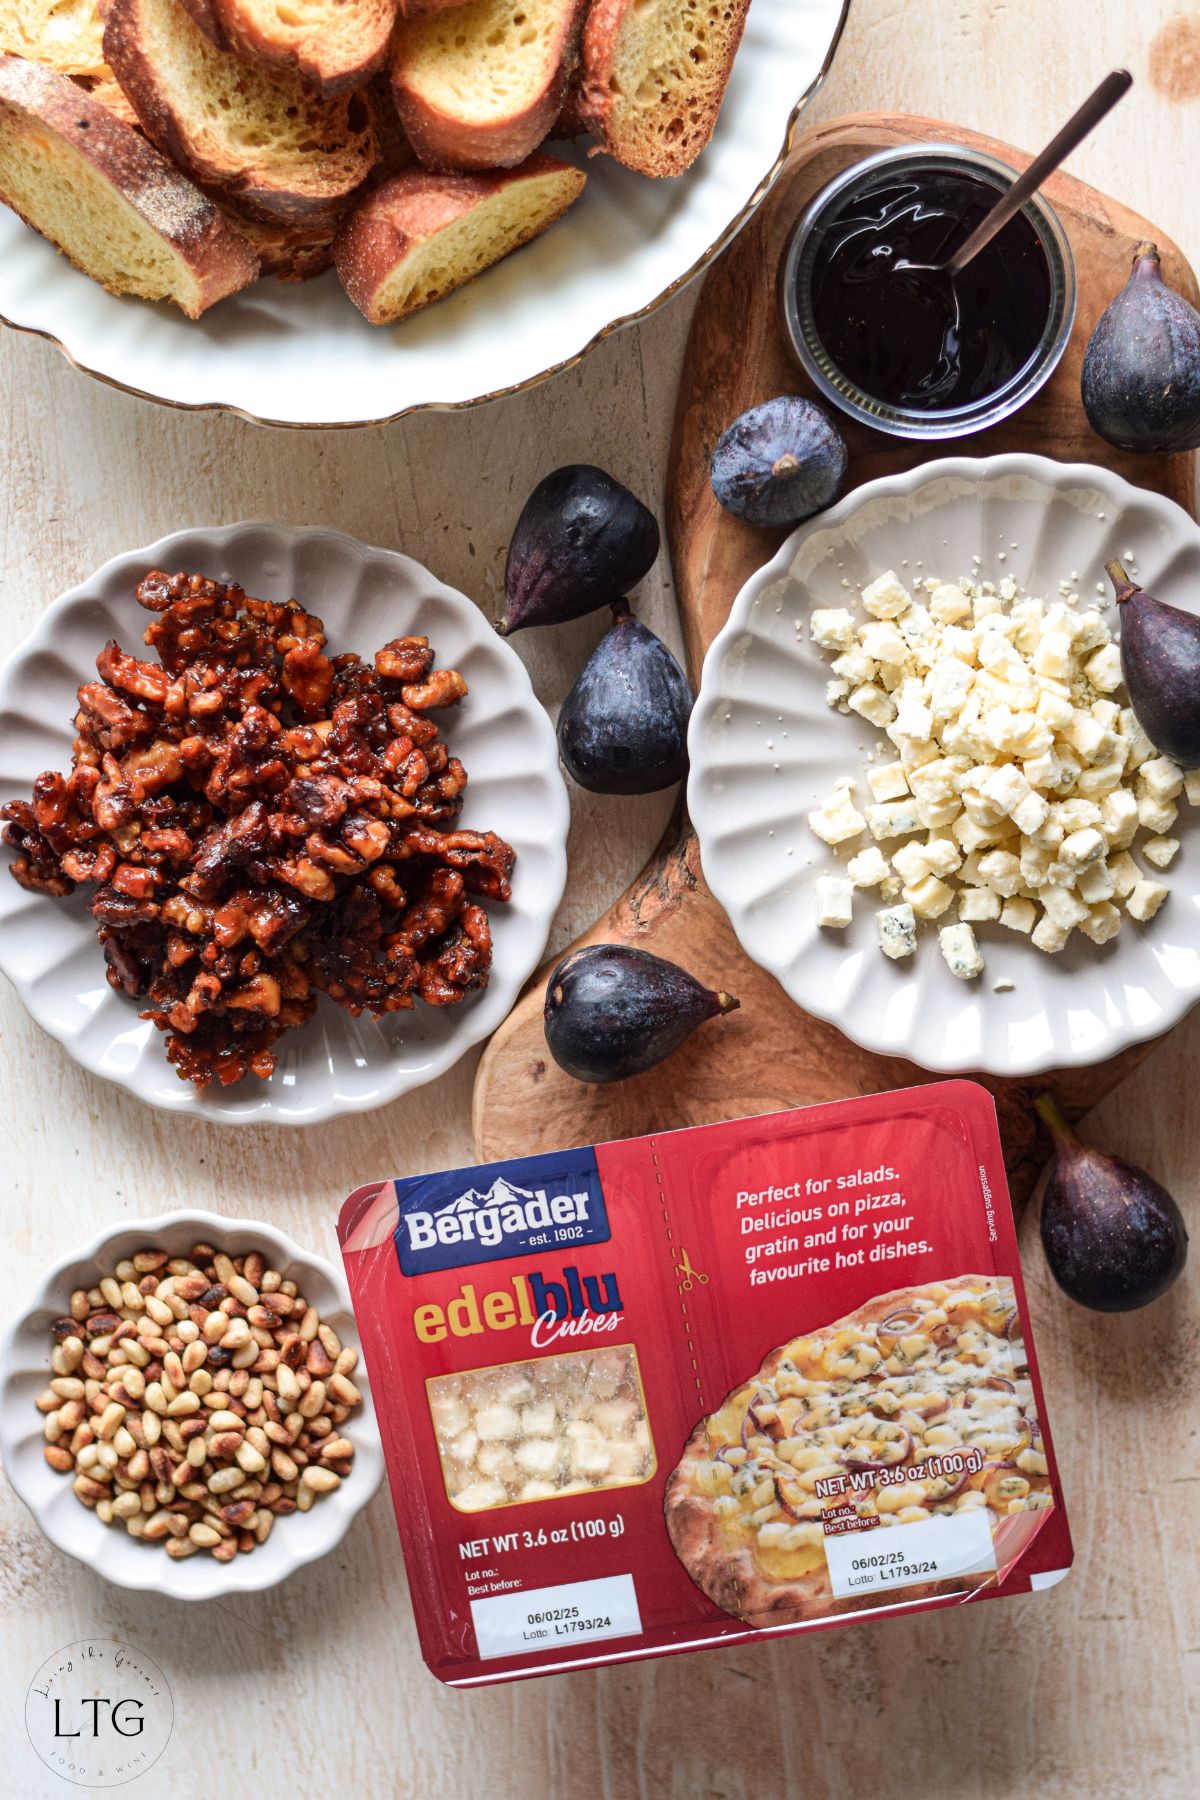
196, 1399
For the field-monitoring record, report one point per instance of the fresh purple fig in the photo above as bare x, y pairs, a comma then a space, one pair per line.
1160, 660
779, 463
623, 726
613, 1012
581, 541
1141, 369
1114, 1239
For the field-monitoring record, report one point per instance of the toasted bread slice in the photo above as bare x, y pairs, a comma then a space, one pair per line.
336, 44
105, 88
481, 86
653, 76
421, 235
107, 199
289, 251
64, 34
269, 140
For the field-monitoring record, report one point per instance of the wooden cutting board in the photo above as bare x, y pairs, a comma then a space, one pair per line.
770, 1054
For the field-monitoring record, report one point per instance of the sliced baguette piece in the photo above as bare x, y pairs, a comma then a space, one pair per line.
64, 34
336, 44
481, 86
288, 251
269, 140
421, 235
107, 199
105, 88
653, 76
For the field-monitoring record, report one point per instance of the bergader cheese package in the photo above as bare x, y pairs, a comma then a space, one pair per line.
699, 1387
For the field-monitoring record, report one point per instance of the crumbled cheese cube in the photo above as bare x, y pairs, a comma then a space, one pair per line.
1125, 874
1103, 669
897, 931
1005, 788
1050, 937
1053, 655
915, 721
1160, 777
889, 782
1062, 906
961, 951
855, 667
1156, 815
948, 604
835, 901
870, 868
1001, 871
910, 863
1096, 884
942, 854
896, 818
1191, 786
1093, 741
1082, 848
1161, 851
832, 627
978, 904
887, 596
1119, 818
1145, 900
874, 704
1140, 747
835, 694
1018, 915
1102, 923
837, 819
1030, 814
883, 642
928, 897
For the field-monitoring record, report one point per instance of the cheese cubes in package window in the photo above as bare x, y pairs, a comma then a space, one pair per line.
1014, 782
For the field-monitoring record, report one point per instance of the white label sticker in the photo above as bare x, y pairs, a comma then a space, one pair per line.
552, 1617
935, 1549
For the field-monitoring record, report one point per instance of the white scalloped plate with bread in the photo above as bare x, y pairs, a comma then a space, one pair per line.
299, 354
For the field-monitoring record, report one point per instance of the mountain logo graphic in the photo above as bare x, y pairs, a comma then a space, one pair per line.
501, 1193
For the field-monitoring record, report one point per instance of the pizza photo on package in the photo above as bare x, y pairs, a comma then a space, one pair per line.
916, 1407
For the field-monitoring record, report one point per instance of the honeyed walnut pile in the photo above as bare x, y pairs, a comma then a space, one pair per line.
262, 823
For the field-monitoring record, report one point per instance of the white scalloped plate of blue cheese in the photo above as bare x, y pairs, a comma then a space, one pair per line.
928, 809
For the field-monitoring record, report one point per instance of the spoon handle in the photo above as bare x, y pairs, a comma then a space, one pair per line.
1111, 89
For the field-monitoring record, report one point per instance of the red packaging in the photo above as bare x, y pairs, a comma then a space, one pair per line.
686, 1389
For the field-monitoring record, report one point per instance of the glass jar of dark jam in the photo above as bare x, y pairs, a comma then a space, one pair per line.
915, 353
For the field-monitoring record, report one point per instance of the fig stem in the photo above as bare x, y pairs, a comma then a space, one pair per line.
1051, 1115
1126, 589
620, 609
728, 1002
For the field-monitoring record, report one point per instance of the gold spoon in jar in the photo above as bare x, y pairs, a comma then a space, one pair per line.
1113, 88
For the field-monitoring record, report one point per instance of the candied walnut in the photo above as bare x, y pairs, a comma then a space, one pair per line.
262, 823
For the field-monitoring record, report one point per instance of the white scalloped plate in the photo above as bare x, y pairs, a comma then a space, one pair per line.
335, 1064
300, 354
765, 750
25, 1369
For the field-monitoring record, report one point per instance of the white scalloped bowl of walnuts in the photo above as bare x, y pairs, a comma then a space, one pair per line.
96, 1422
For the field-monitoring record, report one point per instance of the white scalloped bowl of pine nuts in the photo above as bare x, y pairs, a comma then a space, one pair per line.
182, 1407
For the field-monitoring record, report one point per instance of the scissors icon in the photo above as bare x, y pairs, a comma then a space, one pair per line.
689, 1276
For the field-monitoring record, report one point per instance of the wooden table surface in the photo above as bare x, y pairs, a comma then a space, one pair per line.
1089, 1690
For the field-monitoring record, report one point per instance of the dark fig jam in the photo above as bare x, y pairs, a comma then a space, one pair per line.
919, 341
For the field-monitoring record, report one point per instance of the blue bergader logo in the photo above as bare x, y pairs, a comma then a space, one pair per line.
497, 1210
